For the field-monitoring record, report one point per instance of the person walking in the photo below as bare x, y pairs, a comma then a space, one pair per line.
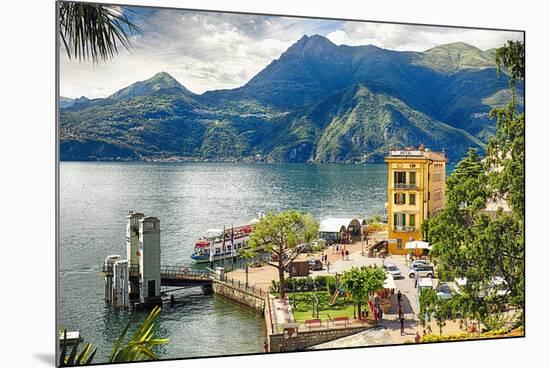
342, 253
416, 280
399, 298
417, 338
266, 347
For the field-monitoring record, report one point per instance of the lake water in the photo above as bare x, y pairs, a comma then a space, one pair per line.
188, 198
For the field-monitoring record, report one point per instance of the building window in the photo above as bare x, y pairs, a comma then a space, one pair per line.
399, 244
400, 179
412, 220
399, 198
412, 178
399, 219
412, 199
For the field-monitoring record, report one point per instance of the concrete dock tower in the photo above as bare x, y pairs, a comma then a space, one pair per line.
149, 244
133, 253
120, 284
108, 266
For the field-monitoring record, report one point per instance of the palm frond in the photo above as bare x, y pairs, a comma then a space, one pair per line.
140, 344
93, 31
83, 357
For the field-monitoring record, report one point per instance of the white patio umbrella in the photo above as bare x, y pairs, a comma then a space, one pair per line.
417, 244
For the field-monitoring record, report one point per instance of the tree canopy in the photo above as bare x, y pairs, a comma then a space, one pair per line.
362, 282
476, 236
282, 235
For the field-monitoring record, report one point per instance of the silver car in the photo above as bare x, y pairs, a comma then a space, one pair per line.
393, 270
421, 271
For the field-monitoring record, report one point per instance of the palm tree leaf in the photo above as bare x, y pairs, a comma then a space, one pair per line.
92, 31
63, 354
72, 356
90, 358
118, 342
82, 354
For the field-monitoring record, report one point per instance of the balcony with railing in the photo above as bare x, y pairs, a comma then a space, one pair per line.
404, 229
405, 186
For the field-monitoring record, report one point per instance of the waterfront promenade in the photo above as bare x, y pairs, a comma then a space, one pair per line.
387, 331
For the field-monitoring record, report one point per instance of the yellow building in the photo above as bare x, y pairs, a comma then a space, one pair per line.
416, 191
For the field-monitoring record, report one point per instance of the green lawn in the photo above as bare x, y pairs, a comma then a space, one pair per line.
303, 307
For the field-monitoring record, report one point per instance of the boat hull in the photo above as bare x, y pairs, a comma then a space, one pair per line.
206, 259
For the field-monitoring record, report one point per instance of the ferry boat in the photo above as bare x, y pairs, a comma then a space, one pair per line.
222, 244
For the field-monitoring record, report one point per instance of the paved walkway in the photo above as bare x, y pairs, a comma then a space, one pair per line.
388, 330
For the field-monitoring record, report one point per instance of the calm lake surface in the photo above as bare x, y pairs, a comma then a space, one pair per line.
188, 198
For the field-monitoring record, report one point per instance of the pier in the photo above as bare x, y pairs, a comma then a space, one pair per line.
183, 276
140, 281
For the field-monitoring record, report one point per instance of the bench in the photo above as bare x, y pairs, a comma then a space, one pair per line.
340, 320
313, 323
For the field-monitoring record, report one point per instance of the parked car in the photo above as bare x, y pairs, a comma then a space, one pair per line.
422, 271
444, 291
419, 262
315, 265
393, 270
425, 283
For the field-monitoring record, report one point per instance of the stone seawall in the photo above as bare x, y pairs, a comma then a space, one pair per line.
239, 295
307, 339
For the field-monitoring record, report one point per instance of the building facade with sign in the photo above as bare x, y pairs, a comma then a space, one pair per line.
416, 191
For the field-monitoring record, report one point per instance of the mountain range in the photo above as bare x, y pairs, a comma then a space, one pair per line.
318, 102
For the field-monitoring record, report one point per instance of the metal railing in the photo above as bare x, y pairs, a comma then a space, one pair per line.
406, 186
251, 288
404, 228
175, 272
183, 272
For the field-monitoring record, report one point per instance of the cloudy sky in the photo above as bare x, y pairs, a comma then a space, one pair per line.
207, 51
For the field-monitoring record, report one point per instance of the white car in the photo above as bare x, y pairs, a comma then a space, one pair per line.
393, 270
444, 291
421, 271
419, 262
425, 283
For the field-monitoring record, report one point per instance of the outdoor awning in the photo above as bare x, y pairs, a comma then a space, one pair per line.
389, 283
334, 225
417, 244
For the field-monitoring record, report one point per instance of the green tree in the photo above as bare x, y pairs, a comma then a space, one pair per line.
469, 242
136, 348
93, 31
283, 235
450, 232
362, 283
506, 151
433, 306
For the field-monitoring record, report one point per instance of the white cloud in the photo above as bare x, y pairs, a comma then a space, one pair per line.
207, 51
416, 38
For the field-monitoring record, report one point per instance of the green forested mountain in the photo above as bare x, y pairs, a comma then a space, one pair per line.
318, 102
